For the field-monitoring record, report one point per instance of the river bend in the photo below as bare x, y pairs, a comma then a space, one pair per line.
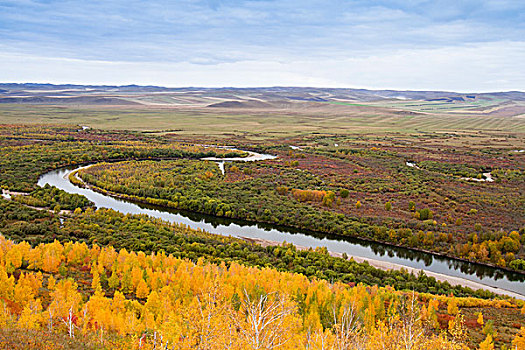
485, 275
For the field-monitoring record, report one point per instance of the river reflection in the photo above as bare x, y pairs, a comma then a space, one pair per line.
357, 247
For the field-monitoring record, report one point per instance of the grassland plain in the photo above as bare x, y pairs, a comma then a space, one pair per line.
288, 121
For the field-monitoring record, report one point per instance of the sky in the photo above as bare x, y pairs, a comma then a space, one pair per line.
467, 46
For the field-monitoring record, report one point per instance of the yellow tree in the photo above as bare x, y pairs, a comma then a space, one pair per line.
456, 328
114, 280
76, 253
98, 312
95, 283
52, 256
5, 315
126, 284
347, 328
153, 308
319, 339
34, 258
142, 289
480, 319
25, 288
519, 342
13, 259
7, 284
268, 320
487, 344
65, 302
136, 276
30, 316
51, 282
452, 306
206, 319
118, 304
433, 306
411, 328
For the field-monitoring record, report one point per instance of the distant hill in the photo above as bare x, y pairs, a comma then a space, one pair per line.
260, 98
239, 104
90, 100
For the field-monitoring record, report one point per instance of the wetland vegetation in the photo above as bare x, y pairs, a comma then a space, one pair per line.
355, 185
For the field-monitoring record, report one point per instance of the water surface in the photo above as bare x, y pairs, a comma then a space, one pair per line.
494, 277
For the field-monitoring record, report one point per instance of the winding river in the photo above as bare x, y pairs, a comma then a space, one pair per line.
488, 276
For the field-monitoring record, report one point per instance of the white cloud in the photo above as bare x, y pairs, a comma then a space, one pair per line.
477, 68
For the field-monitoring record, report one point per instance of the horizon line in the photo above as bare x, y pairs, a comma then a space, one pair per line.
260, 87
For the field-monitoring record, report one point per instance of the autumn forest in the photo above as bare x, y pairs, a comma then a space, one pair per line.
78, 275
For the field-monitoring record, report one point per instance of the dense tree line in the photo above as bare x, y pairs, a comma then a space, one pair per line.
54, 198
278, 193
143, 233
27, 152
22, 223
282, 195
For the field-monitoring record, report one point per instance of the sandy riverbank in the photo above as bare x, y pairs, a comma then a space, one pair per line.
383, 265
251, 158
378, 263
8, 194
